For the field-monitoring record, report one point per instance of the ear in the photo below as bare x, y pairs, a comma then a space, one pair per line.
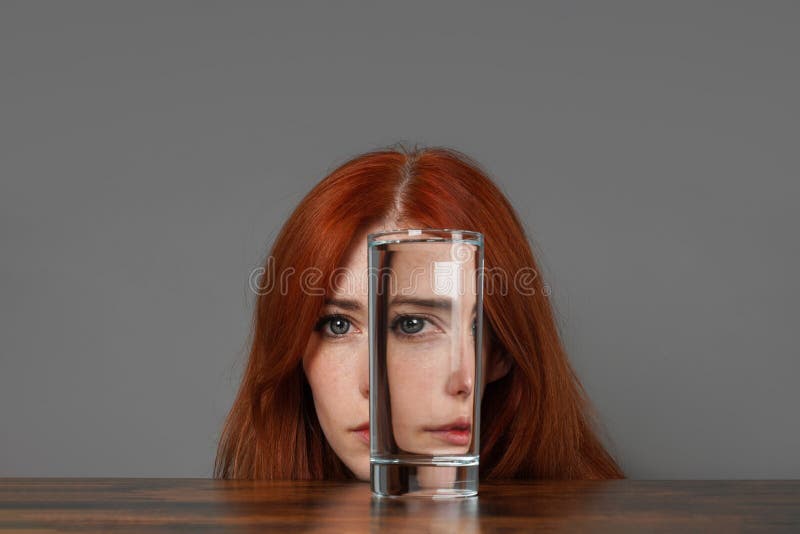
498, 364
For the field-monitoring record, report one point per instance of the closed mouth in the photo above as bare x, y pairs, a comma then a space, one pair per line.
460, 424
457, 433
362, 432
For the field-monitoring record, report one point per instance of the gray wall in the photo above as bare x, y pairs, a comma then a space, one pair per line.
150, 151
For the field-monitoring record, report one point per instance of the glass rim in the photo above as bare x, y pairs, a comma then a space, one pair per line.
383, 237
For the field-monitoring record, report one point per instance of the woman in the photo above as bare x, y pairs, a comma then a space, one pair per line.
302, 409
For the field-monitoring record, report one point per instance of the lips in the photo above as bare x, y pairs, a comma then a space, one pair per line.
457, 432
362, 431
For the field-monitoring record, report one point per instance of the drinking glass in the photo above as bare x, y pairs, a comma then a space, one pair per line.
425, 329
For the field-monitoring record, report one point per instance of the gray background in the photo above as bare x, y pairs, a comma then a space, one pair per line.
150, 151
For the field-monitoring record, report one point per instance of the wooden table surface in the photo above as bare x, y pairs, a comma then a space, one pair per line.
195, 505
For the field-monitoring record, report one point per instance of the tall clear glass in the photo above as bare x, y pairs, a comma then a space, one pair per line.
425, 340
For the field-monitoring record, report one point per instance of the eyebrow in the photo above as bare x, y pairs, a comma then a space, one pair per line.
354, 305
346, 304
438, 304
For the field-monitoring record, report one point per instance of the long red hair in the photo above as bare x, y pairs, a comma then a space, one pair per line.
536, 421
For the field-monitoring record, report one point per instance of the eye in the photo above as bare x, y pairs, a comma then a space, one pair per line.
337, 325
411, 325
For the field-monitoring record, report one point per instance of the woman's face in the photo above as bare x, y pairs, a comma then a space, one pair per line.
430, 348
336, 363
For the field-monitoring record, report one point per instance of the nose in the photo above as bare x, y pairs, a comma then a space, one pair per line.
461, 377
460, 381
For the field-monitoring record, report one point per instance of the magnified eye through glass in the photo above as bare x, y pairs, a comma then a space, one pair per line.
425, 358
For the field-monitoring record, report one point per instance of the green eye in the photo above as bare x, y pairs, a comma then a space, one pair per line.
337, 325
412, 325
409, 326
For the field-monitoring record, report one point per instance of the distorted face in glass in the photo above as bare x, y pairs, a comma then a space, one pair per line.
431, 323
336, 364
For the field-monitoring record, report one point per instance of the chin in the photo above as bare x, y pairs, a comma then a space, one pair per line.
360, 466
361, 471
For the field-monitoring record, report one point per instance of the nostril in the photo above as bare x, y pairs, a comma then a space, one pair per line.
460, 384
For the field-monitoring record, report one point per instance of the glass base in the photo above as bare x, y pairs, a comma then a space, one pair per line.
424, 480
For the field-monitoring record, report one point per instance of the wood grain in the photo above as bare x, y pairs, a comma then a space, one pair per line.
197, 505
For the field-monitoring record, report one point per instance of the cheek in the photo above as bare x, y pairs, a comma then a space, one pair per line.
332, 375
323, 382
413, 379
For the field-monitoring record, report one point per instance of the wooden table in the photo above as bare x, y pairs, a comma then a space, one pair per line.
196, 505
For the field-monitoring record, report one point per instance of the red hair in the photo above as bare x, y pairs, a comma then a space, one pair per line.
536, 421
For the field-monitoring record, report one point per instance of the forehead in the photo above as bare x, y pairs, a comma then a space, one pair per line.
419, 256
430, 267
351, 277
